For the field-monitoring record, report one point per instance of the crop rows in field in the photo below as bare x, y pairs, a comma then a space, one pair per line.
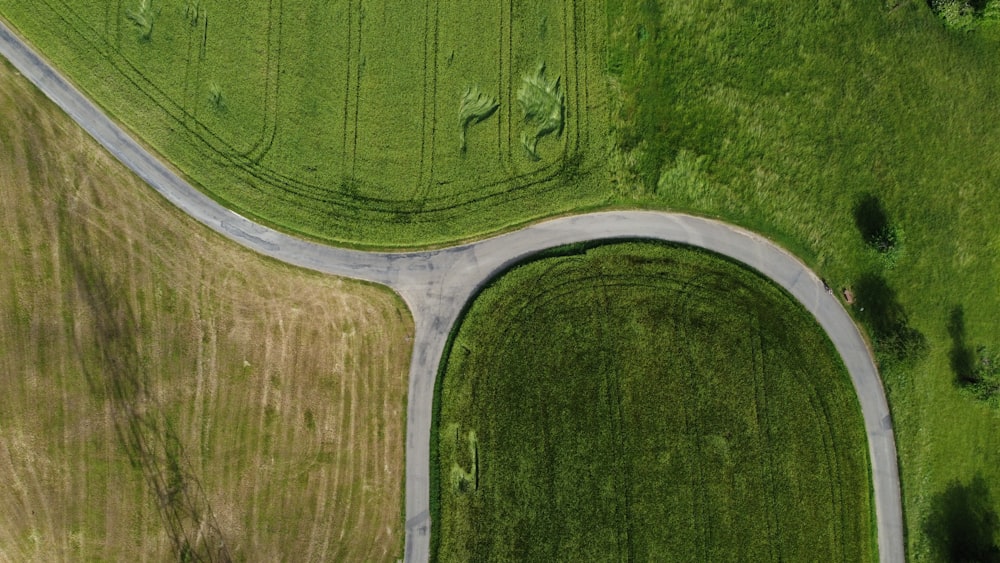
325, 117
646, 402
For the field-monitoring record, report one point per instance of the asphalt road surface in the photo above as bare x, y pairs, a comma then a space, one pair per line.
436, 285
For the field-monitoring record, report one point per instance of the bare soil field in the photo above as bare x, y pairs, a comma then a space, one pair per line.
167, 394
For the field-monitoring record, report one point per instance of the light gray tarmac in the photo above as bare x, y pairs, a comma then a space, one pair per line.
436, 285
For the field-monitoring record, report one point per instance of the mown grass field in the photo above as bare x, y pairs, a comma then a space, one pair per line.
341, 120
785, 117
644, 401
168, 395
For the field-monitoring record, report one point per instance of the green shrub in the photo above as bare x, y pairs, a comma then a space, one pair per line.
983, 381
966, 15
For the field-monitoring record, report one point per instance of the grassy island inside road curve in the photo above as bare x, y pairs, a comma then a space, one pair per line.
639, 400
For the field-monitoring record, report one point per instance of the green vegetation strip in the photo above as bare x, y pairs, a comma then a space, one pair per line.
646, 401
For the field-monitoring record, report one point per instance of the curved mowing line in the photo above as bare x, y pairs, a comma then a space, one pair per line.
437, 284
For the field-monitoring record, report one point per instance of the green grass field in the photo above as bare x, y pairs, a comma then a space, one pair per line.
648, 402
341, 121
170, 395
786, 117
780, 116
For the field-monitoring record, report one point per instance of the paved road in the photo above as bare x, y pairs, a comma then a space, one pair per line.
436, 285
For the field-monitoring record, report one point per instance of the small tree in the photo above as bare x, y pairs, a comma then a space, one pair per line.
876, 229
984, 381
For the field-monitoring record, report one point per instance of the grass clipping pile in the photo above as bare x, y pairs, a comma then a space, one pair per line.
543, 104
475, 107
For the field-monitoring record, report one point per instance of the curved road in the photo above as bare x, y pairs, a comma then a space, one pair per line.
436, 285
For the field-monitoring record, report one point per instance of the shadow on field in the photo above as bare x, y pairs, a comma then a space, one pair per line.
961, 355
962, 525
873, 224
881, 311
976, 369
117, 375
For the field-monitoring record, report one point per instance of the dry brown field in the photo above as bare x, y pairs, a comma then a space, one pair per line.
166, 394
